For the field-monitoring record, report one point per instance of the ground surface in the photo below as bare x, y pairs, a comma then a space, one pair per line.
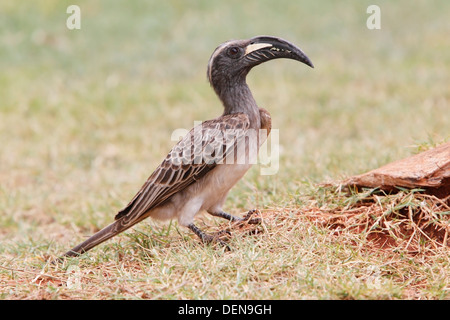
85, 116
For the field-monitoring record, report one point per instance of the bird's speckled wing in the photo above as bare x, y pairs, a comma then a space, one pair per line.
185, 164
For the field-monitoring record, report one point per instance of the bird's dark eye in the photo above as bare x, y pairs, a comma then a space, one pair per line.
233, 52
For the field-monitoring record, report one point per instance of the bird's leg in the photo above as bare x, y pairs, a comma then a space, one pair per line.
232, 218
207, 238
226, 215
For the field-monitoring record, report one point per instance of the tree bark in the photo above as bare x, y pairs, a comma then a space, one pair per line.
429, 170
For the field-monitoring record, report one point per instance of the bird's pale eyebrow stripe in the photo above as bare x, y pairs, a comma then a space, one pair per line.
256, 46
215, 54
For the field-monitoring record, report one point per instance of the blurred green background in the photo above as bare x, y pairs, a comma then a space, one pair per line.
86, 115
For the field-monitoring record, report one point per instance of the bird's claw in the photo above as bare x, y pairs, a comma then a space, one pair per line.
220, 234
248, 217
216, 239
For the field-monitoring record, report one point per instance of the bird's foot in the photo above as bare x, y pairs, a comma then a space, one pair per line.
217, 238
211, 238
248, 217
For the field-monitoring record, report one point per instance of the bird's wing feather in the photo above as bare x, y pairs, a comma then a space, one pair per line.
185, 164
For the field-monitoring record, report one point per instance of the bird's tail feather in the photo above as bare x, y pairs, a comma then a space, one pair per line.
104, 234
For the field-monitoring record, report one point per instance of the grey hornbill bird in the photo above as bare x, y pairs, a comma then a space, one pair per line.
186, 183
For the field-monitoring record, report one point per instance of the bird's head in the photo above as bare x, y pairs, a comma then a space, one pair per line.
232, 60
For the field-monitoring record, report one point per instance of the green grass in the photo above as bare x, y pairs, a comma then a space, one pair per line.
86, 115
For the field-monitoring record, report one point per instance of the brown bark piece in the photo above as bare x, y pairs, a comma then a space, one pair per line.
429, 170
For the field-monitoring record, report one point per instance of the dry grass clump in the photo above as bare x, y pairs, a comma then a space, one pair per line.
408, 220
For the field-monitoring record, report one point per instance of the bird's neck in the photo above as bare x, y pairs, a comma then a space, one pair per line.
239, 99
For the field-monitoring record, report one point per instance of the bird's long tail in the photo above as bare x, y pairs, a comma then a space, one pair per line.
101, 236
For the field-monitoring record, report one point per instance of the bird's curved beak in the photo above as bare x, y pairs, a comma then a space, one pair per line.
265, 48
